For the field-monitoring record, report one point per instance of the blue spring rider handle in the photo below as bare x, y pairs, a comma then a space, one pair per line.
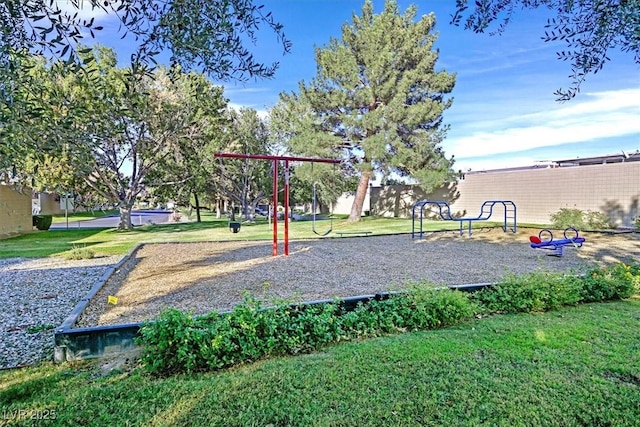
544, 240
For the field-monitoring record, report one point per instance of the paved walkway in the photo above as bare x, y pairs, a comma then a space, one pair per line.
139, 217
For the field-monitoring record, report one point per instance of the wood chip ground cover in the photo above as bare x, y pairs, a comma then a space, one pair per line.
203, 277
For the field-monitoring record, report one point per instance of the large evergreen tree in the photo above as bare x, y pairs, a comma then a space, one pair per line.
377, 100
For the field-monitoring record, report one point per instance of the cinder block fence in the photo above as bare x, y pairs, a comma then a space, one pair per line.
15, 211
613, 189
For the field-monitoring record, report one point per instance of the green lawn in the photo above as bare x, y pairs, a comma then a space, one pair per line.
112, 242
578, 366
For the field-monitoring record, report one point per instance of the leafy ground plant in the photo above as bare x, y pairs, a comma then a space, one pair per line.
581, 220
79, 252
576, 366
543, 291
179, 342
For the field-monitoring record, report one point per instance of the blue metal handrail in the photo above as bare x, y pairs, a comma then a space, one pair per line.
486, 210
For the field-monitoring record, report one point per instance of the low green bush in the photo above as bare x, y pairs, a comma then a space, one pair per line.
180, 342
580, 220
539, 291
568, 218
542, 291
597, 221
42, 222
422, 308
617, 281
79, 252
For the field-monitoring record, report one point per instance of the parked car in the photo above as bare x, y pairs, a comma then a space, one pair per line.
263, 212
293, 216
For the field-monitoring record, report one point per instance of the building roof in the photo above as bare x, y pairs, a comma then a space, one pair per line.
599, 160
578, 161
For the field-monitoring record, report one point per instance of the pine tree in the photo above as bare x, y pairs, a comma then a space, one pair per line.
377, 101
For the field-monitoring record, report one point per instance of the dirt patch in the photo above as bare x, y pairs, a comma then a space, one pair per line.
202, 277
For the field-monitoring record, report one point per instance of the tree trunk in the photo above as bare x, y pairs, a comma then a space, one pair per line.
361, 193
195, 197
125, 217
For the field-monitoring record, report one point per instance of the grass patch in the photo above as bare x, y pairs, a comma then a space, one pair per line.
572, 367
178, 342
79, 252
57, 242
112, 242
39, 328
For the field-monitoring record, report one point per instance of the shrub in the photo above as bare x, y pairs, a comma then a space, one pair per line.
597, 221
539, 291
421, 308
168, 344
580, 220
568, 218
613, 282
179, 342
42, 222
79, 252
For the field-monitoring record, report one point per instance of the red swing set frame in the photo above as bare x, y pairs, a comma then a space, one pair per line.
275, 160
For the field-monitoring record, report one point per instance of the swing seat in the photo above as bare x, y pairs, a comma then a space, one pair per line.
354, 233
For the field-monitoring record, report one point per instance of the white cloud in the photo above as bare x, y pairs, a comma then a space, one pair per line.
601, 115
234, 90
262, 113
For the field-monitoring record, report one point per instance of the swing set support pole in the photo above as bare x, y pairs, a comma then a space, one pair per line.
274, 213
286, 207
275, 160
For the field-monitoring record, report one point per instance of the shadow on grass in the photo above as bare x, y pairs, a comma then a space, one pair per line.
189, 226
48, 243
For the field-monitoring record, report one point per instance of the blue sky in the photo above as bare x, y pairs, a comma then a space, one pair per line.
504, 112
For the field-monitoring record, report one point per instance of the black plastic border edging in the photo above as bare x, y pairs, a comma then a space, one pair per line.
99, 341
82, 343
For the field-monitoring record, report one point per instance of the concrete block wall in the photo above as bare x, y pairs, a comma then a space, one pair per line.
15, 212
613, 189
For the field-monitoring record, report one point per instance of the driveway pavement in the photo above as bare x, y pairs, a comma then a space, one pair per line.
138, 217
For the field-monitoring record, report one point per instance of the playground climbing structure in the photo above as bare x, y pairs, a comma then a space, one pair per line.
444, 212
545, 240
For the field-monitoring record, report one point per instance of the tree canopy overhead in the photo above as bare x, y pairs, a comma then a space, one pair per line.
377, 100
211, 36
589, 28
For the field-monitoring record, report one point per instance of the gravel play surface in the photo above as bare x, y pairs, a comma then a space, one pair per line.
202, 277
38, 294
